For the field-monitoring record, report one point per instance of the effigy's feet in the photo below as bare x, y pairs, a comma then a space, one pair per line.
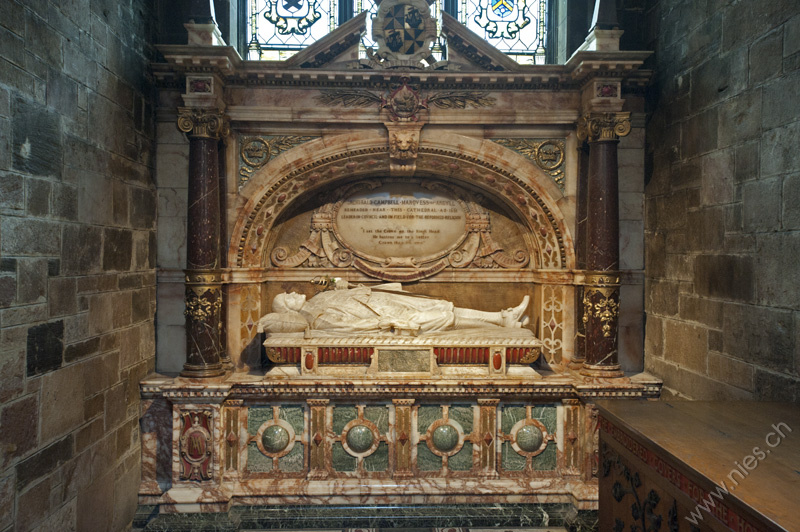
511, 316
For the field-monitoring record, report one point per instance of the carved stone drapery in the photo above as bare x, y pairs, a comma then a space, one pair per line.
204, 352
601, 286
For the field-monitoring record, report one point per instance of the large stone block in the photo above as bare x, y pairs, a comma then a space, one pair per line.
731, 370
44, 462
653, 336
790, 211
65, 201
62, 401
718, 79
96, 503
686, 345
143, 208
747, 161
694, 386
740, 118
27, 236
766, 58
701, 310
699, 133
661, 297
45, 347
101, 313
729, 277
655, 254
759, 335
777, 272
779, 153
12, 193
95, 199
778, 109
761, 204
7, 494
746, 20
36, 139
771, 386
32, 280
117, 249
718, 177
82, 249
18, 424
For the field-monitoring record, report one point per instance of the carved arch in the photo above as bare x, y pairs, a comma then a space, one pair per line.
498, 171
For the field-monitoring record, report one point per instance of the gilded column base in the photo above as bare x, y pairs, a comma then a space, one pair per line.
600, 316
204, 352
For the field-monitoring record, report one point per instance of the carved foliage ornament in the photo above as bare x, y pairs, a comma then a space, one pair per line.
602, 303
548, 154
604, 127
202, 123
195, 445
202, 302
255, 152
403, 101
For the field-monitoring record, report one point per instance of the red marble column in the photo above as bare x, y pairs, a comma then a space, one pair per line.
601, 278
204, 350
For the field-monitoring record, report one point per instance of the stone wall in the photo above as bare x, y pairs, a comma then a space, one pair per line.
77, 252
723, 199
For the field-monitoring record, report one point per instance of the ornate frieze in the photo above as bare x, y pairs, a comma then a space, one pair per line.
404, 102
553, 319
202, 123
548, 154
604, 127
256, 151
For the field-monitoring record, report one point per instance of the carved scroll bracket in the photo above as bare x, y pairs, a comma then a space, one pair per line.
604, 127
203, 123
403, 147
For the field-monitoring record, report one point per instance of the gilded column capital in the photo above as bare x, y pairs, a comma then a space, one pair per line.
203, 123
604, 127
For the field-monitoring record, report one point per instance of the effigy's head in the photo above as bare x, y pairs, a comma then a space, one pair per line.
285, 302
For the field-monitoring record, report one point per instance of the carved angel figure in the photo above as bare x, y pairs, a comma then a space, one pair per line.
384, 309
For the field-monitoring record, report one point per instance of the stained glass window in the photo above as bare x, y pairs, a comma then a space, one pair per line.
280, 28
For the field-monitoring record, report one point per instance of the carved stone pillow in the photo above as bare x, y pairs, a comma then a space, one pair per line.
282, 322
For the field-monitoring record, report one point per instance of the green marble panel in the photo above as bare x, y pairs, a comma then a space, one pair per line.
342, 415
426, 460
256, 416
512, 461
547, 460
341, 460
378, 415
462, 460
426, 415
379, 460
547, 415
463, 414
293, 415
510, 416
292, 462
257, 462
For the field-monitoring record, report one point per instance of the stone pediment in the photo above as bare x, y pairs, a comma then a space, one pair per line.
339, 49
469, 51
334, 48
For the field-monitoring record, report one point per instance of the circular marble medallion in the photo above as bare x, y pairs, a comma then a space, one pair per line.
275, 438
445, 438
529, 438
360, 438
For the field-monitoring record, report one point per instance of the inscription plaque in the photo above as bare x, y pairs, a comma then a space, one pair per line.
404, 360
400, 220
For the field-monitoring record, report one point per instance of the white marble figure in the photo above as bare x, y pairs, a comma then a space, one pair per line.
384, 309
